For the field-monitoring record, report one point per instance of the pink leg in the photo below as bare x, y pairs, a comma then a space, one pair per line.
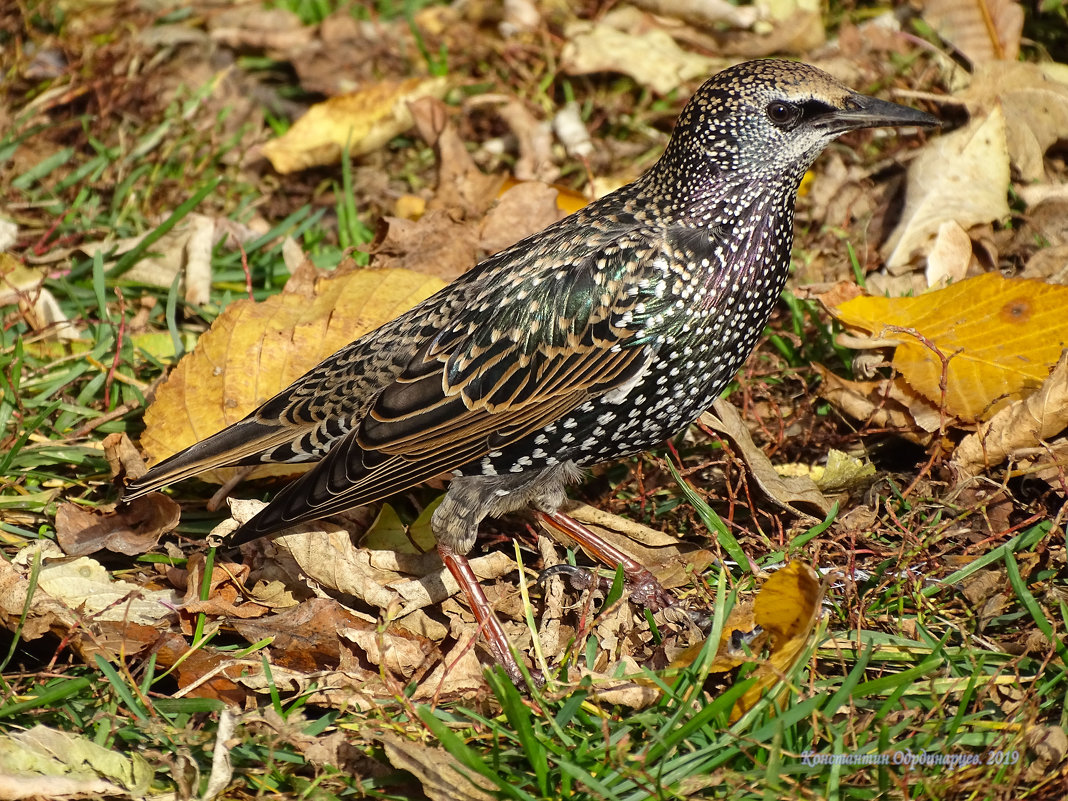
644, 588
488, 623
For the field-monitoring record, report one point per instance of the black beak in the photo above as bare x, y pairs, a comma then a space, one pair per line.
862, 111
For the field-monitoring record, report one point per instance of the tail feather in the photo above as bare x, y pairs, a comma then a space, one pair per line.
239, 444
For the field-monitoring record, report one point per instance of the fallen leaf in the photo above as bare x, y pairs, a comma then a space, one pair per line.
441, 775
871, 403
84, 585
788, 608
785, 491
254, 350
46, 763
950, 256
123, 457
202, 672
523, 209
1000, 336
364, 121
1047, 745
77, 600
132, 529
709, 14
1024, 424
535, 141
983, 30
23, 286
388, 533
652, 58
463, 190
1034, 100
308, 638
436, 245
184, 250
248, 27
782, 617
961, 177
668, 558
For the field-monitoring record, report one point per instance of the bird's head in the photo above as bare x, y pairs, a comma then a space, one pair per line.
773, 118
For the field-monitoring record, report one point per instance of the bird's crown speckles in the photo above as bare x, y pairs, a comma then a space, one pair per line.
726, 138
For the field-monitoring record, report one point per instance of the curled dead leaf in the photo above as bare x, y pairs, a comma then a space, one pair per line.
1022, 425
131, 529
363, 121
961, 177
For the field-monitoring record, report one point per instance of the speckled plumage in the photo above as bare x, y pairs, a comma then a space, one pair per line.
598, 337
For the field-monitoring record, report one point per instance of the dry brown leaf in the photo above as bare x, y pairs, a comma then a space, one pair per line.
710, 14
459, 674
254, 350
961, 177
439, 773
983, 30
463, 190
322, 554
1001, 337
872, 402
309, 638
77, 600
45, 613
84, 585
184, 250
364, 121
256, 27
651, 57
785, 491
436, 244
523, 209
534, 137
950, 255
123, 457
23, 286
1034, 99
1047, 745
132, 529
1021, 425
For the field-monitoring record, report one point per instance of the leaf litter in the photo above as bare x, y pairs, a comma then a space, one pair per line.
285, 593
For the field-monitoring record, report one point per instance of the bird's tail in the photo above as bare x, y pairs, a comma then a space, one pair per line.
239, 444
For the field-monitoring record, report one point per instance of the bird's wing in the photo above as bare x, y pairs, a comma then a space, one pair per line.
495, 374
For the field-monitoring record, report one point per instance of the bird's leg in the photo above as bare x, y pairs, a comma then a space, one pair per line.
645, 590
488, 623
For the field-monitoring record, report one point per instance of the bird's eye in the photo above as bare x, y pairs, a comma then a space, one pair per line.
782, 113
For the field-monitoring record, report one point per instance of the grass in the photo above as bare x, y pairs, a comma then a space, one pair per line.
906, 673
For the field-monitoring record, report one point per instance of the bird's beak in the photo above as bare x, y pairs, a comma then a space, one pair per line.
862, 111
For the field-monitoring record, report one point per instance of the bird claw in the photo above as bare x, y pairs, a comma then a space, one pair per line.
646, 592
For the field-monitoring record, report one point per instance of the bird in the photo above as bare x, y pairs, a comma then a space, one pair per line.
596, 338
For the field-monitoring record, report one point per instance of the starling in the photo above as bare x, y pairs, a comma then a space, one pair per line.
599, 337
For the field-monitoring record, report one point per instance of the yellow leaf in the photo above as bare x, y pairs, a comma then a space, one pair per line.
787, 607
1001, 337
254, 350
782, 617
364, 120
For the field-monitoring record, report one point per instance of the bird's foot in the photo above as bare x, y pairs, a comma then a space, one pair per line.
645, 589
581, 579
